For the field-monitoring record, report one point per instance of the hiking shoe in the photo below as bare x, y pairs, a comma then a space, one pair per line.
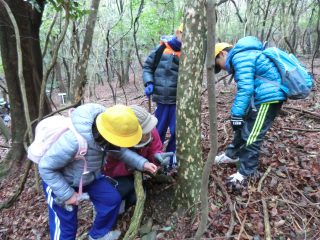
122, 207
112, 235
237, 182
224, 159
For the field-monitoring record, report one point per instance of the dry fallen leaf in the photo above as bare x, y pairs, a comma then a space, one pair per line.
279, 223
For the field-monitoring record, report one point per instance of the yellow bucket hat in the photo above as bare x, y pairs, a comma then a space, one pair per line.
180, 28
219, 47
119, 126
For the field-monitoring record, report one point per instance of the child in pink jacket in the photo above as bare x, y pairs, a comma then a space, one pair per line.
150, 147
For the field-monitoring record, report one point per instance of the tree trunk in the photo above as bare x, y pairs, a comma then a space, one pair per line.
62, 88
266, 14
4, 130
317, 45
121, 63
81, 75
126, 69
188, 107
211, 24
308, 41
29, 21
248, 18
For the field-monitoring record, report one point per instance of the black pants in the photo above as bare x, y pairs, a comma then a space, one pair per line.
125, 187
247, 141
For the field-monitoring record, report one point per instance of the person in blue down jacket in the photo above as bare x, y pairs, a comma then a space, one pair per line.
104, 130
255, 106
160, 78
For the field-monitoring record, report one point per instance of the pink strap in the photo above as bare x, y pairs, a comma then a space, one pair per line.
82, 150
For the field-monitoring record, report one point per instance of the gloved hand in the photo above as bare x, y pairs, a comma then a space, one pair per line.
236, 123
164, 158
148, 90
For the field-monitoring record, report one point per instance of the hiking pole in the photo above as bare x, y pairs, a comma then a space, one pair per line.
149, 104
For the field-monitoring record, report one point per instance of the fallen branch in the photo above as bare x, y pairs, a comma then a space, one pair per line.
262, 179
226, 134
315, 115
4, 146
138, 211
307, 199
231, 208
141, 96
301, 129
219, 80
266, 220
265, 208
240, 223
275, 198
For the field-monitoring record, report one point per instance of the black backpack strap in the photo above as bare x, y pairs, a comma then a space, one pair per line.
158, 55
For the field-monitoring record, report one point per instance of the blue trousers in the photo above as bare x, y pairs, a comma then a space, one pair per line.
166, 115
106, 200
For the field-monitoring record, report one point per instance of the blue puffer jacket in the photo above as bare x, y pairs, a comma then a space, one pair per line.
59, 169
254, 74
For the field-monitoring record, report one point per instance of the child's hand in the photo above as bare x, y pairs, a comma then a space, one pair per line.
73, 200
150, 167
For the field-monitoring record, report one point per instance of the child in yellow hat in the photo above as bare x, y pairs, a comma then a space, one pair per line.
104, 130
150, 147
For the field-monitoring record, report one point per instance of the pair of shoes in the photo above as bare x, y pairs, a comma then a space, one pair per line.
112, 235
224, 159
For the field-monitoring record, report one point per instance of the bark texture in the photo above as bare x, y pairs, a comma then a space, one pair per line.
188, 131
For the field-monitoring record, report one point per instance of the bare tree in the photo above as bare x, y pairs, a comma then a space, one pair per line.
81, 75
42, 98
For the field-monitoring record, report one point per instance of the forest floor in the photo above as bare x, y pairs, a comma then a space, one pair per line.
291, 190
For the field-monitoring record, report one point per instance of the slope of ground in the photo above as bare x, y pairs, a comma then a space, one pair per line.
291, 189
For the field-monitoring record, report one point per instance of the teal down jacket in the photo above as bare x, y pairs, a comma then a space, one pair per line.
62, 172
254, 74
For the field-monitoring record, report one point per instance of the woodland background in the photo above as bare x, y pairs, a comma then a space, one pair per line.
93, 52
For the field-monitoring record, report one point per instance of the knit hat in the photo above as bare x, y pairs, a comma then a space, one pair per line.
146, 120
175, 44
